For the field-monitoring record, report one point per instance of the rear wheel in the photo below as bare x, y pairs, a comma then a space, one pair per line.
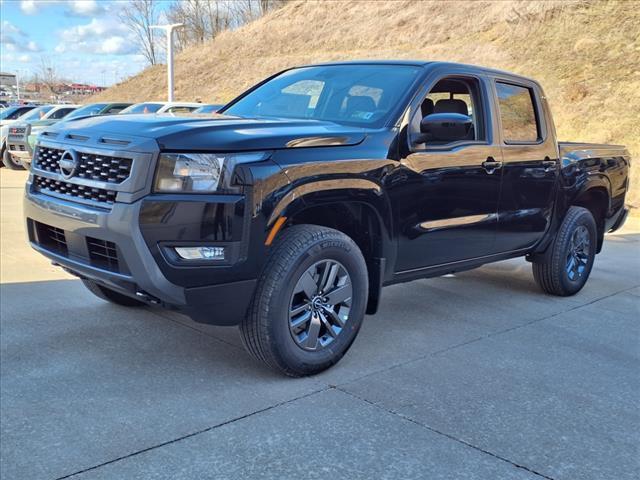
565, 270
309, 303
9, 162
110, 295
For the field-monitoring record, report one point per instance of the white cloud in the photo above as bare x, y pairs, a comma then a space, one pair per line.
8, 33
24, 58
29, 7
79, 8
85, 8
103, 35
97, 28
10, 28
117, 46
33, 47
15, 40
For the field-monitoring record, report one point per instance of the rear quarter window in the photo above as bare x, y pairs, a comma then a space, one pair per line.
517, 113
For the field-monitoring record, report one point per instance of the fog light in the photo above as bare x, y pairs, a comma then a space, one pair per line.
200, 253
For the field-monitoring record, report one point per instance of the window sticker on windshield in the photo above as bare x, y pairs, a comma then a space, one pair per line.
362, 115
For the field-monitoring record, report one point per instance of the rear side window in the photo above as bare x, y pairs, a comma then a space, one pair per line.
518, 114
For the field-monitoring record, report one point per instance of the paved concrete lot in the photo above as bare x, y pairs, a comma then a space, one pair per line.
472, 376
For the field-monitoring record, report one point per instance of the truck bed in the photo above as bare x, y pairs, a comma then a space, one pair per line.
582, 151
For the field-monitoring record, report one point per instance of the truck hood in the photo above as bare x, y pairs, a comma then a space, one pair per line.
217, 133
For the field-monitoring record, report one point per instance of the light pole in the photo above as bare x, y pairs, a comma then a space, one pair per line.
169, 29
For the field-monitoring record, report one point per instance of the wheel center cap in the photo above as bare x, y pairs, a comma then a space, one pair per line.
316, 303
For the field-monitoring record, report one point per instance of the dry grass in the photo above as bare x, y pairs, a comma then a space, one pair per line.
585, 53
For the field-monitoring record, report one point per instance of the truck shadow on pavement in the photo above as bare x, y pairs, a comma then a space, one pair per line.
415, 319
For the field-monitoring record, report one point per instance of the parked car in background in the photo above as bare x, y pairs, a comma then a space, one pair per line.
40, 117
208, 108
161, 107
93, 109
21, 143
8, 116
320, 186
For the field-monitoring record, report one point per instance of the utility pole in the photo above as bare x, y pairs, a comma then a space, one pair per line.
169, 29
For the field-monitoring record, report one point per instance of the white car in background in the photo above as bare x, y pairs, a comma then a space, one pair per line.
8, 116
19, 131
161, 107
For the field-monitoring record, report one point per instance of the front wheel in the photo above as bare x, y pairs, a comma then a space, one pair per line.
566, 268
310, 301
9, 162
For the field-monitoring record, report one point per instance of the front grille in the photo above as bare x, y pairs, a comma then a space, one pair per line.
103, 254
20, 148
74, 191
102, 168
52, 238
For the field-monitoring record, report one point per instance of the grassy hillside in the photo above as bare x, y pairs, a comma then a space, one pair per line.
585, 53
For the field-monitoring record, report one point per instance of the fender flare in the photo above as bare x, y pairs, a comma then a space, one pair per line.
298, 193
355, 191
594, 181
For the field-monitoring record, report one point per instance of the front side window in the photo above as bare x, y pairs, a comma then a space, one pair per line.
360, 95
517, 113
450, 113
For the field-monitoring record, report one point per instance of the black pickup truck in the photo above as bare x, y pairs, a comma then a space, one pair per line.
287, 213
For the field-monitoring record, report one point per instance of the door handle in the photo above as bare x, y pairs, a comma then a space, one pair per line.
490, 165
549, 164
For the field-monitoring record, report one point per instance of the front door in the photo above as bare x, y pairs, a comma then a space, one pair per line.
447, 201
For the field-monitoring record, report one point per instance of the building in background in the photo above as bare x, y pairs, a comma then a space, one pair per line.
7, 80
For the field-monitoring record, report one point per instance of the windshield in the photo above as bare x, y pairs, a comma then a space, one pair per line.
87, 110
36, 113
12, 113
143, 108
361, 95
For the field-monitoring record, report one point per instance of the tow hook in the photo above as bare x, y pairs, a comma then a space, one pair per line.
145, 297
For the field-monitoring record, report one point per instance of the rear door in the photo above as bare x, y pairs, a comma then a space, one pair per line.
530, 163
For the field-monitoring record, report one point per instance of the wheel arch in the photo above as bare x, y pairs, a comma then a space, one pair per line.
359, 209
597, 199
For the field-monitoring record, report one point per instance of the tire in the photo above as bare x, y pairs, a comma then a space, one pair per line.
9, 162
566, 268
110, 295
290, 308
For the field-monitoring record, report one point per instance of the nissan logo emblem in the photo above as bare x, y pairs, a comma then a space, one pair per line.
68, 163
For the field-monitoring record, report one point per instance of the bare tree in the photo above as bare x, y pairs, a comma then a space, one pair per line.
48, 74
204, 19
139, 15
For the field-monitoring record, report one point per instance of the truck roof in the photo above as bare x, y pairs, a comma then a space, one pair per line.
422, 63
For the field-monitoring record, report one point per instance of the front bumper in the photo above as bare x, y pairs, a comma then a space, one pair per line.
108, 247
19, 148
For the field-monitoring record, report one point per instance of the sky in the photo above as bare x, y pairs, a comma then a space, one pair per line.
83, 39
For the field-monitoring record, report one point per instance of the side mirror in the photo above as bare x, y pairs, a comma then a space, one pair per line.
446, 127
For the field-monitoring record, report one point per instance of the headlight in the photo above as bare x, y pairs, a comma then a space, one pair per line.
199, 172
